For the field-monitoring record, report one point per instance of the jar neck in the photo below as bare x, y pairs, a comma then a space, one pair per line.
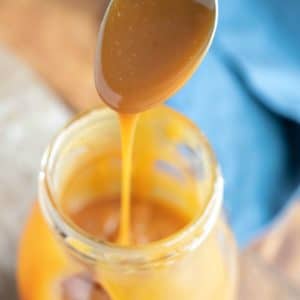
66, 150
156, 253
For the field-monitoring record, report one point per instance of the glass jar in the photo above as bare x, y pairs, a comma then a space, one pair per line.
174, 163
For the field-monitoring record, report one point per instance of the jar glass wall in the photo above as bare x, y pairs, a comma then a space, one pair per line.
173, 165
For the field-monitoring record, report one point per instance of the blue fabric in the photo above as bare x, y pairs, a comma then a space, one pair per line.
246, 98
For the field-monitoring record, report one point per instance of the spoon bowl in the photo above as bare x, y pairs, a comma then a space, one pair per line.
147, 50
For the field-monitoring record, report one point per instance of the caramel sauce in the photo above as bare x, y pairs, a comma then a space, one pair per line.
146, 51
151, 220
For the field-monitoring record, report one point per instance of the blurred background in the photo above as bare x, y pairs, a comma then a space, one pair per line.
245, 97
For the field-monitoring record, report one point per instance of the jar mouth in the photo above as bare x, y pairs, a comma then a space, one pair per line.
86, 247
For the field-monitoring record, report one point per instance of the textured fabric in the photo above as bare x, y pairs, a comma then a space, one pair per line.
246, 99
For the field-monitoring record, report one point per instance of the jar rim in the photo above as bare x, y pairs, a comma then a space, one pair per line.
99, 251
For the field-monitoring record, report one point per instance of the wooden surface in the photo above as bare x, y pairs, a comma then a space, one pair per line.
57, 39
30, 114
279, 248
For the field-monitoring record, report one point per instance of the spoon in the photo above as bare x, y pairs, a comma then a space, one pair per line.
148, 49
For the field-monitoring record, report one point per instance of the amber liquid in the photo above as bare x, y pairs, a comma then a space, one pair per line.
147, 50
127, 125
100, 219
88, 191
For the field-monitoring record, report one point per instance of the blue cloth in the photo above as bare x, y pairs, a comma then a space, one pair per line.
246, 98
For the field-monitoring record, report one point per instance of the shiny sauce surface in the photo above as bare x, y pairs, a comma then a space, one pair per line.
148, 48
150, 220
